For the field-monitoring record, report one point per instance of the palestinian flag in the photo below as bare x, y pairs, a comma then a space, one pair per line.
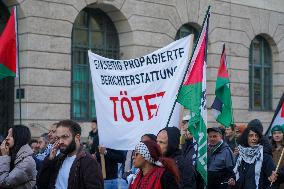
278, 118
192, 96
8, 48
222, 105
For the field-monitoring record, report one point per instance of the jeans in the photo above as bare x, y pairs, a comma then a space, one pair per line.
110, 184
115, 184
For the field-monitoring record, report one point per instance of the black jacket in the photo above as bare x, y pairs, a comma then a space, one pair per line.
247, 174
94, 146
85, 172
112, 158
186, 169
189, 151
190, 154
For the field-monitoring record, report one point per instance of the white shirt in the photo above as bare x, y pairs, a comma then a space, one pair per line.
63, 174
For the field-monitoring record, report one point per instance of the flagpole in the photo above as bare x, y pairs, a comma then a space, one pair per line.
18, 64
278, 164
195, 45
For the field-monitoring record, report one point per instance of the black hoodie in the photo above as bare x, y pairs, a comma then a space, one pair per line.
187, 171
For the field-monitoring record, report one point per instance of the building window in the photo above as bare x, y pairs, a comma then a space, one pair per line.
260, 75
93, 30
185, 30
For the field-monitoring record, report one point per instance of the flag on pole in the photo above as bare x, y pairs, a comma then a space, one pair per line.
222, 105
278, 118
192, 96
8, 48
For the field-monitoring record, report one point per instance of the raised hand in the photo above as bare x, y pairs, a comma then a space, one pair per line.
54, 149
4, 148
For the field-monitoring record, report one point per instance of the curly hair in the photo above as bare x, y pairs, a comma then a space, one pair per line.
243, 140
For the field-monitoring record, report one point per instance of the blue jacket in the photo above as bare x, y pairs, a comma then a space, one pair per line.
220, 167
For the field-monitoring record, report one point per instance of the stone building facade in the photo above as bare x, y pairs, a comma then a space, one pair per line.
253, 30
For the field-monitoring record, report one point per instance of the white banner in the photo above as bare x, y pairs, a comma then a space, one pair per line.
134, 97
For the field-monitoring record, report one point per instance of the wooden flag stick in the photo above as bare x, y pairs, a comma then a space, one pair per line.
280, 159
278, 164
103, 164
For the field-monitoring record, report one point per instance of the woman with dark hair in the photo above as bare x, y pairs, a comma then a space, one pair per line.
253, 165
155, 171
18, 168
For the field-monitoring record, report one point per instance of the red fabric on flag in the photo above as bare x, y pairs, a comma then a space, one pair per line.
195, 75
222, 72
8, 45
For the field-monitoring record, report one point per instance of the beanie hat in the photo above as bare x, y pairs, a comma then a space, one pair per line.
277, 128
173, 140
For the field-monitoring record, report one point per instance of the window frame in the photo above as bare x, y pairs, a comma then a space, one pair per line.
103, 50
263, 50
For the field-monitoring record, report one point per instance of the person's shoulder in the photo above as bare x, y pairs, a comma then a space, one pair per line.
86, 159
168, 179
225, 149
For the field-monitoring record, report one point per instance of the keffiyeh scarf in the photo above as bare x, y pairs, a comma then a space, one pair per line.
250, 155
142, 149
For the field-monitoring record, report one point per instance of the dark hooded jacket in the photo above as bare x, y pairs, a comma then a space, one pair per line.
186, 169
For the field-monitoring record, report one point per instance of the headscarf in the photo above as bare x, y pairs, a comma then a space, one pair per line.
173, 140
143, 150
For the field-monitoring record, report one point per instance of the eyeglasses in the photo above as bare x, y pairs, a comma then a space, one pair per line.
63, 137
184, 122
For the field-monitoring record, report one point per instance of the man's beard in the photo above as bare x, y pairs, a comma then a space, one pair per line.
70, 148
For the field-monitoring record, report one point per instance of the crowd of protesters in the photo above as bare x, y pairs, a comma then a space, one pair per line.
239, 157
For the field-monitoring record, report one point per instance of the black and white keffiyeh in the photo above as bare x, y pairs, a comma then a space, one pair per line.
142, 149
250, 155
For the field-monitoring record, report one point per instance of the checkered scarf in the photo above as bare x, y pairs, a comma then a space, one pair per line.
142, 149
250, 155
